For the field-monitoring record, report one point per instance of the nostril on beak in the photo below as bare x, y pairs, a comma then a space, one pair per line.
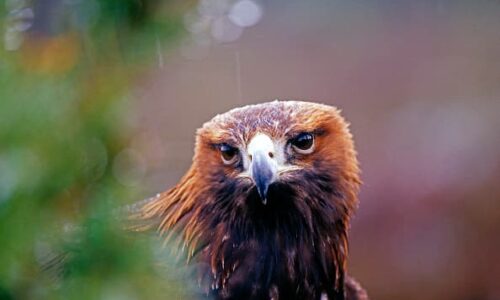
250, 157
271, 155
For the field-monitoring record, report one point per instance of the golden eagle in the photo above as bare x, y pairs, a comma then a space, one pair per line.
265, 207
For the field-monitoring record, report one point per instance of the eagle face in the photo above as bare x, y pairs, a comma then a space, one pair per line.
266, 204
274, 146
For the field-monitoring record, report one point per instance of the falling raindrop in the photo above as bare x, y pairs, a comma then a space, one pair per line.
159, 52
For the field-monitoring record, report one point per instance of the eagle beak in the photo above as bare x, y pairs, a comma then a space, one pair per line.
263, 166
263, 173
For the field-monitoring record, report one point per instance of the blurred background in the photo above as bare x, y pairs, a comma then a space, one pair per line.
100, 100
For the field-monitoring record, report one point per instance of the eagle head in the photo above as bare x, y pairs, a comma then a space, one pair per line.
266, 204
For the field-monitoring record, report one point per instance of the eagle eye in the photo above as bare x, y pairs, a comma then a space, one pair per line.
228, 153
303, 143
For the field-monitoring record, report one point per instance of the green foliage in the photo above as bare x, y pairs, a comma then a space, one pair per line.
64, 110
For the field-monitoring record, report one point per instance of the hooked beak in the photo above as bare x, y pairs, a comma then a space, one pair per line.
263, 173
263, 167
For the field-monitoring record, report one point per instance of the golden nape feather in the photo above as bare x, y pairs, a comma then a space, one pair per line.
266, 204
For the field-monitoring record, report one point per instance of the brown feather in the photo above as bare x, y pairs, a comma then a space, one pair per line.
296, 246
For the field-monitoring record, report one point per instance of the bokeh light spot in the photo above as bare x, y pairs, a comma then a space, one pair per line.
245, 13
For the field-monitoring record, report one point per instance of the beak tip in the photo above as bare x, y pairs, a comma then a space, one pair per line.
263, 194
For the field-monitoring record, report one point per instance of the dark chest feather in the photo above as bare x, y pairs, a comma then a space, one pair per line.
266, 270
275, 256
